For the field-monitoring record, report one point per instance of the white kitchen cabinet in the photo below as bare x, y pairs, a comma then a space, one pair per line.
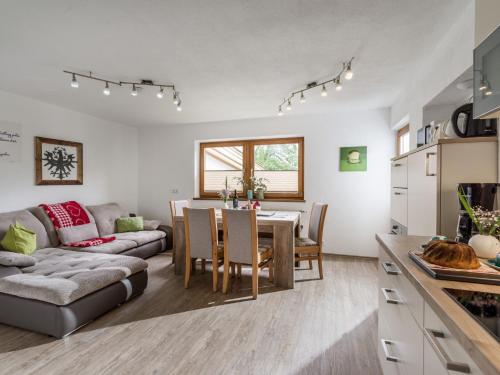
423, 192
432, 174
399, 173
399, 205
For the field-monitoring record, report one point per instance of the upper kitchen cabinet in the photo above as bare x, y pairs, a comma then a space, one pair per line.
487, 77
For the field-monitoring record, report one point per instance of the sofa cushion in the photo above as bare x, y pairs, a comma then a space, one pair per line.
10, 259
151, 224
42, 216
105, 216
77, 233
113, 247
142, 237
63, 276
129, 224
28, 220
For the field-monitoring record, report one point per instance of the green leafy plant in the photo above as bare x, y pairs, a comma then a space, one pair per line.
486, 222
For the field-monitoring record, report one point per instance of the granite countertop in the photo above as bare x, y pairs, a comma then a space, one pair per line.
482, 347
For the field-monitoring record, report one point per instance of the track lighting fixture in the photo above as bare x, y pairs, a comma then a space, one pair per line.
176, 98
74, 82
134, 91
483, 86
346, 71
302, 97
323, 91
488, 91
135, 86
106, 91
338, 84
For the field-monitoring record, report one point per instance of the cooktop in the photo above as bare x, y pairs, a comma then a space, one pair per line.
484, 307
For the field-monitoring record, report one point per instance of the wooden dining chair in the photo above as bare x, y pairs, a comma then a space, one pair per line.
241, 247
176, 210
201, 242
311, 247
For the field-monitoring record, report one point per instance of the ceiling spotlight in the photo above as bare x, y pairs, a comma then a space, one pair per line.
302, 97
179, 108
280, 112
483, 86
488, 92
159, 94
134, 90
176, 98
349, 73
338, 84
323, 91
106, 91
289, 105
74, 82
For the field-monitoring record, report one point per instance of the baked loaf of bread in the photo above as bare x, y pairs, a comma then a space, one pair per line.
451, 254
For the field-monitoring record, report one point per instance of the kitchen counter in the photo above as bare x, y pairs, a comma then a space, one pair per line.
482, 347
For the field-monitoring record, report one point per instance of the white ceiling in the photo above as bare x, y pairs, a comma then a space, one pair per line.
230, 59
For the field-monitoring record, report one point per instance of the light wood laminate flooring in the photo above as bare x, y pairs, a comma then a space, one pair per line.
320, 327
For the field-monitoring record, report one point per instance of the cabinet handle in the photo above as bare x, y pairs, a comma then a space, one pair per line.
385, 348
398, 193
427, 157
397, 165
432, 336
385, 292
390, 268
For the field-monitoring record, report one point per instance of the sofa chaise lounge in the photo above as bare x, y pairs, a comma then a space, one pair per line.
65, 288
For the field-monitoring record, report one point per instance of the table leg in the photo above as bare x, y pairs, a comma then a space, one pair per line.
283, 255
180, 248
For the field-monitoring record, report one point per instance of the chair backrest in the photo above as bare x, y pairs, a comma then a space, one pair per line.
201, 232
317, 221
240, 235
176, 208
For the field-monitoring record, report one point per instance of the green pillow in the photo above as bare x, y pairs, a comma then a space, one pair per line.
129, 224
19, 239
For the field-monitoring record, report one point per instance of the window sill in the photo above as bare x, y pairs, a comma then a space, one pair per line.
298, 200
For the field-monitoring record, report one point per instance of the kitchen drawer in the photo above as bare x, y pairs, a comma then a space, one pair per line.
445, 347
399, 205
399, 173
387, 349
387, 270
404, 333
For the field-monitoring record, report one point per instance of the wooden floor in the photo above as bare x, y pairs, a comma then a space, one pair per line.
320, 327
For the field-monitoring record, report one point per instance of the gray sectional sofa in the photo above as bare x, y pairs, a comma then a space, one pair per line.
64, 288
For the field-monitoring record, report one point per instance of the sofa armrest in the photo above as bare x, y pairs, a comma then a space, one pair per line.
170, 235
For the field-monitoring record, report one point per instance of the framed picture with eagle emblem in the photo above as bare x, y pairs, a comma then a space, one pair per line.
58, 162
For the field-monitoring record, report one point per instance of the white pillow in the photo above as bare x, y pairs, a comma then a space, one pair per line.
77, 233
11, 259
151, 224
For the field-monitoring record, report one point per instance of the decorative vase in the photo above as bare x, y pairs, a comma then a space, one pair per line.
485, 246
226, 205
259, 194
249, 195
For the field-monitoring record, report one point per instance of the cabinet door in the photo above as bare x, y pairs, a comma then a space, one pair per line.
399, 173
432, 364
399, 206
423, 192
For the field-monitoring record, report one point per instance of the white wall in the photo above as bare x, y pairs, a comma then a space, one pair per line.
109, 149
447, 59
359, 201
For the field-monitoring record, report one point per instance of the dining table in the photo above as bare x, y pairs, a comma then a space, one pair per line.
281, 226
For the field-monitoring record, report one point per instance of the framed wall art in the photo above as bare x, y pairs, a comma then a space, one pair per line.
353, 159
58, 162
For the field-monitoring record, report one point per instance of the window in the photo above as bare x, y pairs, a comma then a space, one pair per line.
280, 162
403, 140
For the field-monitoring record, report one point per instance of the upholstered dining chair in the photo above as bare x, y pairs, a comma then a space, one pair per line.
201, 242
311, 247
241, 247
176, 210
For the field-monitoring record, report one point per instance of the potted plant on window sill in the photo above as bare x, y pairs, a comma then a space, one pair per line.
259, 187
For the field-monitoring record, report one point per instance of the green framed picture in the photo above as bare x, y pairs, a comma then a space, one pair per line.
353, 159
